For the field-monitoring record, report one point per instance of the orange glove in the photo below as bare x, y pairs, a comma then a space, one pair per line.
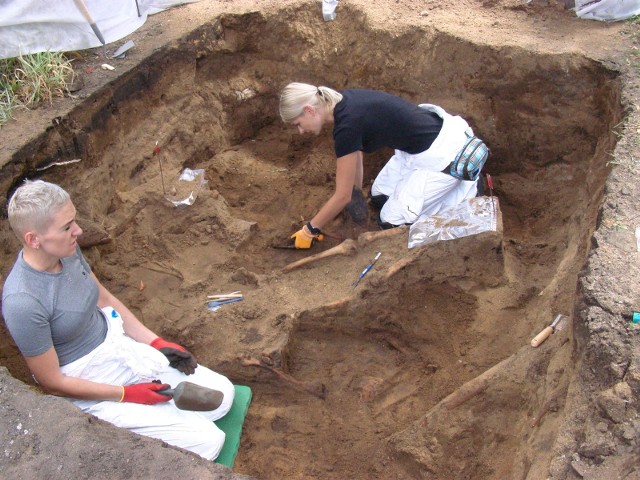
306, 235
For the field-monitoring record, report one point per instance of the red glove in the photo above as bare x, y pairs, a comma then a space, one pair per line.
179, 357
144, 393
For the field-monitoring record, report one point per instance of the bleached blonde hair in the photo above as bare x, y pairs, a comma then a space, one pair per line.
296, 95
33, 205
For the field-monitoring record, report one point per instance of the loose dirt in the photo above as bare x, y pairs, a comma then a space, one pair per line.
425, 369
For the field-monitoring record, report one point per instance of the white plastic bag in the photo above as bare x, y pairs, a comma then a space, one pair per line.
472, 216
186, 189
329, 9
607, 10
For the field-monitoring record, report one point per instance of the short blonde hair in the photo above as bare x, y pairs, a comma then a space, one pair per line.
296, 95
33, 205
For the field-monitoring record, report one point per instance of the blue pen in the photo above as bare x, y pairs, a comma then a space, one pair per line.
366, 270
215, 305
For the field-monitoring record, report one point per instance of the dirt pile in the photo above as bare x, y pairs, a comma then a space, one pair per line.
45, 437
427, 363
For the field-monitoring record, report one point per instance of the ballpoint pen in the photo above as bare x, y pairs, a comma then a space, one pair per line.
366, 270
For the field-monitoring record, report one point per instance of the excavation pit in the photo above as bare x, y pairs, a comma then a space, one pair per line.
391, 352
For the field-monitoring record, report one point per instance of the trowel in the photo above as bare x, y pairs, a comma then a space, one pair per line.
189, 396
558, 324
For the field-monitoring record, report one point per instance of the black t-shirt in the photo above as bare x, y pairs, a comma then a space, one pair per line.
368, 120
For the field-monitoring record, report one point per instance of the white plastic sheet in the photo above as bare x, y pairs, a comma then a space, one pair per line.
607, 10
32, 26
470, 217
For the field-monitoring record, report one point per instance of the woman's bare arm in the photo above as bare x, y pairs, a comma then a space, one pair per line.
46, 370
346, 176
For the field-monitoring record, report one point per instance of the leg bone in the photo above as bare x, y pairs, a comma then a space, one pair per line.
348, 247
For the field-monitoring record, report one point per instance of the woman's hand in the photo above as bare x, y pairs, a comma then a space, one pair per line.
179, 357
304, 237
145, 393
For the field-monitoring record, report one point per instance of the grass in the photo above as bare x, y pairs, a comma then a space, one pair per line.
29, 80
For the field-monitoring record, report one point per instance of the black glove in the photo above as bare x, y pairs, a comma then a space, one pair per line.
179, 357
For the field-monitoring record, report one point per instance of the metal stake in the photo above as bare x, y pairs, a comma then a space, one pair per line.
156, 153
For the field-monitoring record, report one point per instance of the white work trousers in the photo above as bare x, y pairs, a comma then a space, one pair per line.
120, 360
415, 183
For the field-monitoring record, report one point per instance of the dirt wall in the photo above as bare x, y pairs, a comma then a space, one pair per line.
422, 326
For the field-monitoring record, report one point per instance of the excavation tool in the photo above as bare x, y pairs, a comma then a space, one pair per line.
120, 52
557, 325
87, 15
290, 246
156, 153
366, 270
213, 305
225, 296
315, 388
189, 396
490, 185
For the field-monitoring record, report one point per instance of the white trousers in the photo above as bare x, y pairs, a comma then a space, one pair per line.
415, 192
415, 183
120, 360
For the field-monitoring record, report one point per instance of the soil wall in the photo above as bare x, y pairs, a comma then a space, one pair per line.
427, 363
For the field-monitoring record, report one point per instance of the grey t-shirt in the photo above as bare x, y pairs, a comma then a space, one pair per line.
44, 309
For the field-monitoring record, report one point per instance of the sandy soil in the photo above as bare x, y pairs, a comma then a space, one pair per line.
425, 369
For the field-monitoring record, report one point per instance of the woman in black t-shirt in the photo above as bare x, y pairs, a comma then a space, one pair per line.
425, 138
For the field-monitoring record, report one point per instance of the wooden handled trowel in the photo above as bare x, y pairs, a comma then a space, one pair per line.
558, 324
189, 396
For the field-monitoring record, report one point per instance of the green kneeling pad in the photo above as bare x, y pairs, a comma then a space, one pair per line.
231, 425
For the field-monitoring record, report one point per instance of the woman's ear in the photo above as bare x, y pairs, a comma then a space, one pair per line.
31, 240
309, 109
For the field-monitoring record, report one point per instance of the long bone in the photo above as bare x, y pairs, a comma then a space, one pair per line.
366, 238
348, 247
314, 388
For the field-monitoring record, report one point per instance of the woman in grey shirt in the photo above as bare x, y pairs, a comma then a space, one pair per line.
81, 342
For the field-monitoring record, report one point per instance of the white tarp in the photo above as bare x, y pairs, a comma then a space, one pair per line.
607, 10
31, 26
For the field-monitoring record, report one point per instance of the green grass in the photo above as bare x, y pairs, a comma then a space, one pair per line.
29, 80
7, 104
